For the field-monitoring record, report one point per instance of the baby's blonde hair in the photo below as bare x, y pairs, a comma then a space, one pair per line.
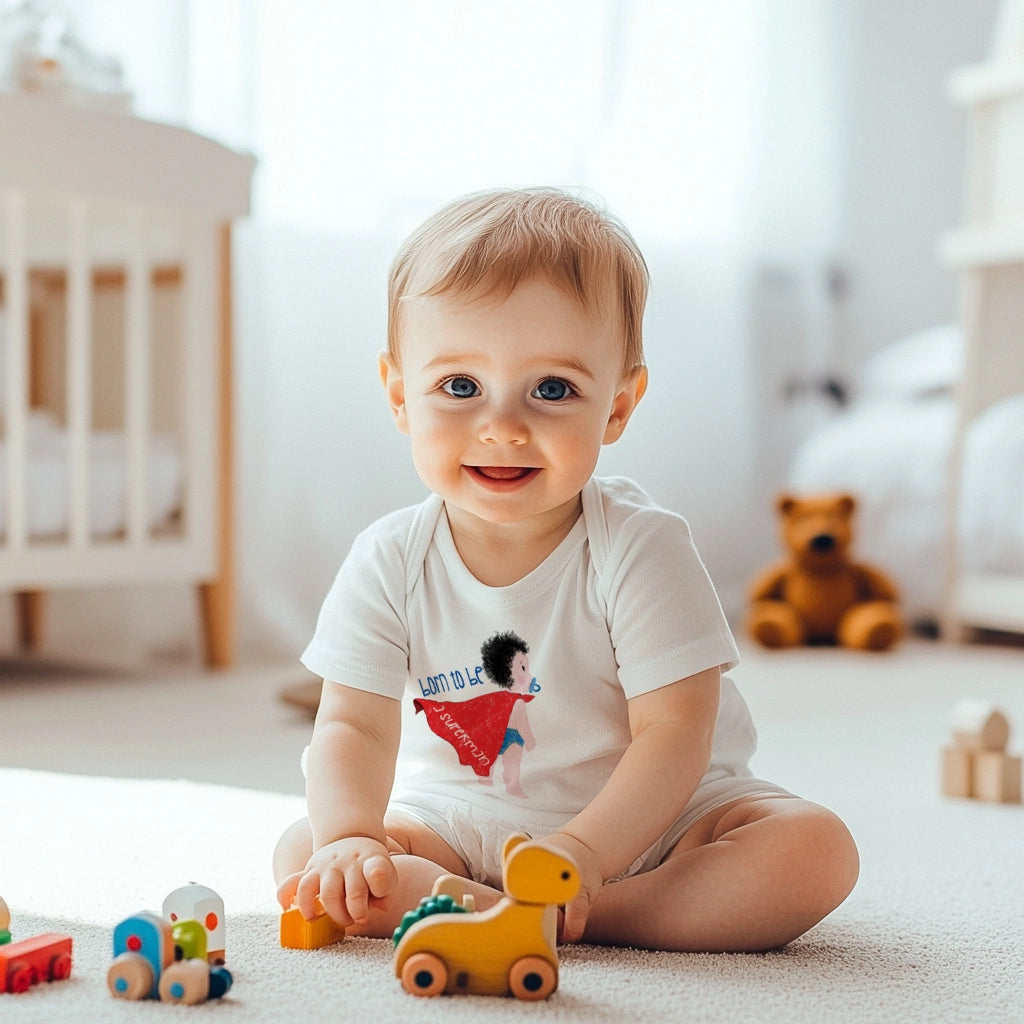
489, 242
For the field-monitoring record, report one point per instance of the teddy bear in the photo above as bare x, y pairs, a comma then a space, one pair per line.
819, 595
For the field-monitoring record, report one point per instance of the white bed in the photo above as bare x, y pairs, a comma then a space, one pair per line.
48, 487
892, 448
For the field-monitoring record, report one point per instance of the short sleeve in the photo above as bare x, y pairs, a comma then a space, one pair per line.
664, 616
361, 636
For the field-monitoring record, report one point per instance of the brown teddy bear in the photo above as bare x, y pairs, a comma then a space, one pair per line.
820, 596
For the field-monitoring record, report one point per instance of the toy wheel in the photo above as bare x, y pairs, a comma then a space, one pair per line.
187, 981
130, 977
21, 977
220, 982
424, 974
60, 967
533, 977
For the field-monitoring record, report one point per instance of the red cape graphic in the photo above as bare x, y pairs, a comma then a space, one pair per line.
475, 727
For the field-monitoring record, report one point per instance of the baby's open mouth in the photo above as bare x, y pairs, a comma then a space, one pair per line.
504, 472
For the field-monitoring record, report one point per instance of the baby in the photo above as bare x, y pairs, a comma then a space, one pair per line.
514, 353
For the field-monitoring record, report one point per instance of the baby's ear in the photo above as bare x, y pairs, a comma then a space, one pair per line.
394, 388
631, 390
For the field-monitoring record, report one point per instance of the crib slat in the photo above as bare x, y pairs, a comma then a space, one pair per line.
79, 372
16, 285
200, 410
137, 378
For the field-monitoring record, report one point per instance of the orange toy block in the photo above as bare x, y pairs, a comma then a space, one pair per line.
997, 777
298, 933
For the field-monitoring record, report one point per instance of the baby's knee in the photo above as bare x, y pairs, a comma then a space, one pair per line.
831, 857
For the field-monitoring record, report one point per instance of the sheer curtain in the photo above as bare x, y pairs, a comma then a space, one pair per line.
710, 128
366, 114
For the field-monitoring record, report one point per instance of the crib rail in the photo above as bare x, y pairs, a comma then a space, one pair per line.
139, 550
111, 225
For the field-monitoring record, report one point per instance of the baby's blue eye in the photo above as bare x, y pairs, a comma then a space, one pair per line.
461, 387
552, 390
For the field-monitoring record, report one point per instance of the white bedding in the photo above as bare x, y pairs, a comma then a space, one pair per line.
892, 448
48, 510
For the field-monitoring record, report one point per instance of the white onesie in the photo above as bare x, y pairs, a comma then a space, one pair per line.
622, 606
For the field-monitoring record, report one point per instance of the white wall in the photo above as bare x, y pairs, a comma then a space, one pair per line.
907, 152
896, 147
902, 149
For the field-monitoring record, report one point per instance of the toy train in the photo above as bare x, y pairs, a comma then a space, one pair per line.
194, 902
27, 962
176, 957
155, 960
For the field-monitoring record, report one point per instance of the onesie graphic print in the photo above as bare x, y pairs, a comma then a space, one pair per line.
493, 725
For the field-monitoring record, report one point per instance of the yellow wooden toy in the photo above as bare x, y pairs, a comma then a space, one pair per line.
509, 949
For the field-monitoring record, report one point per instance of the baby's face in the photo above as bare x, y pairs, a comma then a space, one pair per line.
508, 401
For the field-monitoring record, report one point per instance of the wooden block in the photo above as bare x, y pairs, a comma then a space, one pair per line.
978, 725
997, 777
957, 772
298, 933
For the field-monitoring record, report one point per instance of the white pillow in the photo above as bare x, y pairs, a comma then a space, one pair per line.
919, 366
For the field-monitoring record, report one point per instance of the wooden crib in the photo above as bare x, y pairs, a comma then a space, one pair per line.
115, 357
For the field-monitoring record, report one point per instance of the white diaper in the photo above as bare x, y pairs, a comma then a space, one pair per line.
478, 837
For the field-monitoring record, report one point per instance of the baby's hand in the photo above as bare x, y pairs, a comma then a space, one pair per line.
349, 876
577, 910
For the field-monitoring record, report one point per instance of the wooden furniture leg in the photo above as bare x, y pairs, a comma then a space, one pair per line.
217, 597
31, 605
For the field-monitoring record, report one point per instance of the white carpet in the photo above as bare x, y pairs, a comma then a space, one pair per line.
933, 933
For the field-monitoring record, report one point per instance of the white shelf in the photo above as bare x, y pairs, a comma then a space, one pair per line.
989, 253
983, 246
989, 602
984, 83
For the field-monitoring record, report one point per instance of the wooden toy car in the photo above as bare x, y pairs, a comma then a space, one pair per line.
507, 949
29, 961
148, 964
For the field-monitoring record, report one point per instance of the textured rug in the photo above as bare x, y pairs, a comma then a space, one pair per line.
933, 933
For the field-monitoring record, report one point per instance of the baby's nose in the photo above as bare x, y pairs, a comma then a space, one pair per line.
504, 425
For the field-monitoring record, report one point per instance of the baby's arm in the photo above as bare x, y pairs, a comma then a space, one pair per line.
349, 773
520, 720
672, 733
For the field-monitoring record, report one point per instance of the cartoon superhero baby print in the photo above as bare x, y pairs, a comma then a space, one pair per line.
493, 725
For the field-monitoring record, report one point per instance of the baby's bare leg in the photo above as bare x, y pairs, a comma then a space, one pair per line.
420, 856
748, 877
